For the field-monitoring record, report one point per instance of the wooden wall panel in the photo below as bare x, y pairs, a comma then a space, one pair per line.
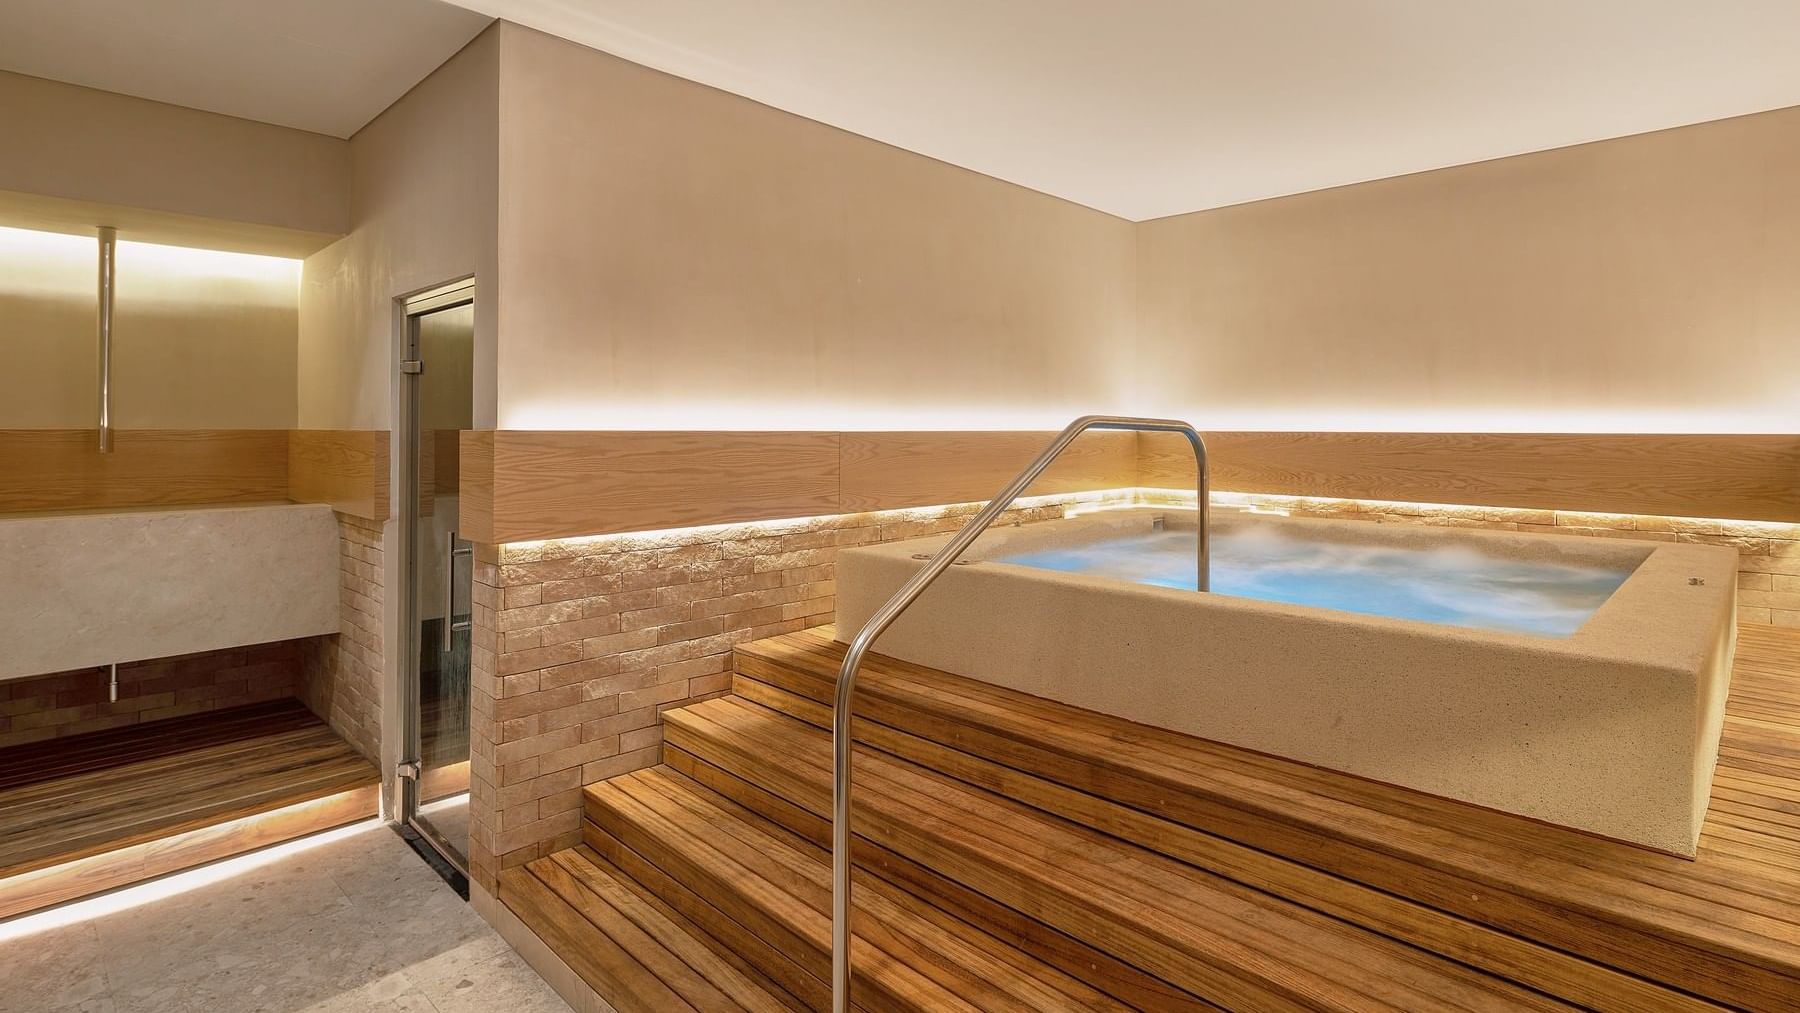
526, 485
445, 461
440, 464
61, 469
550, 484
521, 485
476, 497
347, 468
885, 471
1731, 477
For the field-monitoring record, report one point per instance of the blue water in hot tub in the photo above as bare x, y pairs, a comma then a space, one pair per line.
1447, 584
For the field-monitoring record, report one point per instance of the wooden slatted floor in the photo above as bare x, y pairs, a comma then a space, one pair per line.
93, 812
1175, 935
629, 944
1726, 925
1165, 872
667, 828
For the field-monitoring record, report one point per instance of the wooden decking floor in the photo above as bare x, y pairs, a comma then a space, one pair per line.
1015, 851
96, 811
1725, 926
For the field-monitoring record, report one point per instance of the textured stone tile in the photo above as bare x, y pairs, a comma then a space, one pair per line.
503, 982
360, 924
271, 962
393, 994
55, 970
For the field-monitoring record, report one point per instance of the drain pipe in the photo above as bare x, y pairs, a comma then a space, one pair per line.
108, 240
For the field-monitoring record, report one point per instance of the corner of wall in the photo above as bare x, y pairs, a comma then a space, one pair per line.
424, 203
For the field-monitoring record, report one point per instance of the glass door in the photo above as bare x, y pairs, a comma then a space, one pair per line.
437, 402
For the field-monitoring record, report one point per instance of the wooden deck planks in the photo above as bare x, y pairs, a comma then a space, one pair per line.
1724, 925
780, 890
1217, 939
656, 925
594, 955
1553, 971
682, 899
1017, 854
1101, 970
98, 811
41, 761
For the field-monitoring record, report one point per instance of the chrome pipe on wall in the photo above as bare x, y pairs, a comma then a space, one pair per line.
108, 242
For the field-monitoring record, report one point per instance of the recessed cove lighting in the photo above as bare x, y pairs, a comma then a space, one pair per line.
176, 884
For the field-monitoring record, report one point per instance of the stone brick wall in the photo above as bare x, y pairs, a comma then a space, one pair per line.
341, 675
70, 703
581, 643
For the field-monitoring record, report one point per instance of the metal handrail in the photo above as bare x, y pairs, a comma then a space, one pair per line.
908, 593
109, 238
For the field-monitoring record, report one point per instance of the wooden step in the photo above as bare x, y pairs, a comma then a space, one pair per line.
638, 953
1235, 946
114, 747
1570, 914
95, 812
765, 895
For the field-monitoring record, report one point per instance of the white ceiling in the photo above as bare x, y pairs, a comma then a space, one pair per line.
1147, 108
1142, 108
327, 66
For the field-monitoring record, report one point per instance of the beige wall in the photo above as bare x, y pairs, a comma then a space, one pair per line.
425, 189
201, 340
94, 146
675, 256
1641, 284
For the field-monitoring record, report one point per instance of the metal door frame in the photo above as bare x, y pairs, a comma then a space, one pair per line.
406, 474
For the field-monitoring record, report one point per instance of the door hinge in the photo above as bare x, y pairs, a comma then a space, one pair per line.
411, 366
408, 771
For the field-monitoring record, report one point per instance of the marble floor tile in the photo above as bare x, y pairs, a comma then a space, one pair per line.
357, 924
504, 982
57, 970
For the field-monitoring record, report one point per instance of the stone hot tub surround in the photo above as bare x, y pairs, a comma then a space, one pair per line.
1613, 729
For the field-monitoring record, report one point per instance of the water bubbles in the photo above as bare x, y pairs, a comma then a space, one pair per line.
1446, 583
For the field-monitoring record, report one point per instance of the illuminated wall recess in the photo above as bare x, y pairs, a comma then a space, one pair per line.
203, 339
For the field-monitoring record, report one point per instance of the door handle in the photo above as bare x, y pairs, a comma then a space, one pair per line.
450, 553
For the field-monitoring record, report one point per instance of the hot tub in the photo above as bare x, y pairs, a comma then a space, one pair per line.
1580, 681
